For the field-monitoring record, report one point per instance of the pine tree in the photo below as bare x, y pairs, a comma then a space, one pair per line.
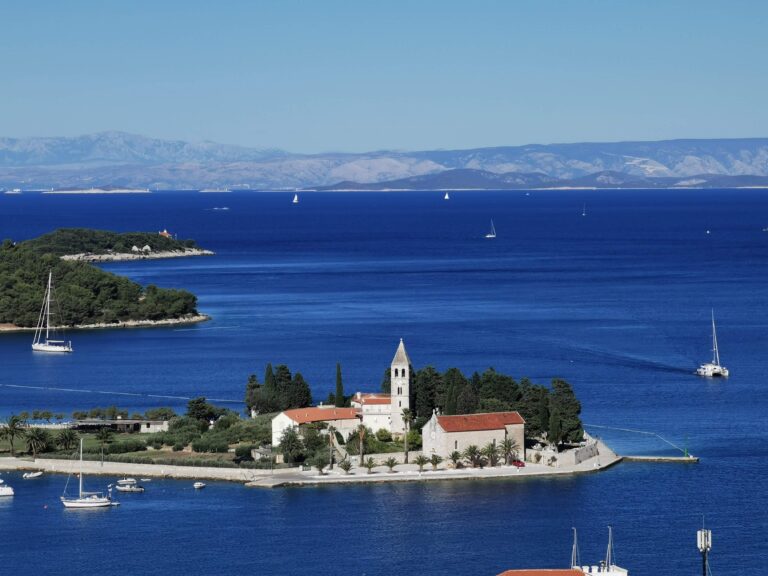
340, 400
568, 407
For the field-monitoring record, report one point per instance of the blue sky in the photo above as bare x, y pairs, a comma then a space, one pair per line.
353, 76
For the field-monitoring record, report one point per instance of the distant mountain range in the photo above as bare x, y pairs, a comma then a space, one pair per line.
467, 179
127, 160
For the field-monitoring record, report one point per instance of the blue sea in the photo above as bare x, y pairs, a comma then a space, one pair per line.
617, 302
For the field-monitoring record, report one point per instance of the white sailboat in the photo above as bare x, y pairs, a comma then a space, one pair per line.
446, 197
492, 233
713, 369
584, 210
295, 198
46, 344
88, 499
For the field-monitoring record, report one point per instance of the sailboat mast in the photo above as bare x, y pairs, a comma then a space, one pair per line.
715, 353
609, 552
81, 468
48, 305
575, 560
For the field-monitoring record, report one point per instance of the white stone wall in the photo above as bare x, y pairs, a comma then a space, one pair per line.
281, 422
435, 440
377, 416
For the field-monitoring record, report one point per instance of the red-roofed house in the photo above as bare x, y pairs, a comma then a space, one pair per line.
444, 434
374, 409
345, 420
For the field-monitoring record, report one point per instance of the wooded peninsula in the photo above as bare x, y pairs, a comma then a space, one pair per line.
86, 295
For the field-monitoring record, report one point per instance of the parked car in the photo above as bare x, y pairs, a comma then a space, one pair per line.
518, 463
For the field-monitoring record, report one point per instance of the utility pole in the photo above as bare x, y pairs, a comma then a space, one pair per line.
704, 541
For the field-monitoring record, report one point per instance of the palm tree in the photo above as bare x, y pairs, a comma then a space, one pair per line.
472, 454
491, 453
422, 461
435, 461
370, 464
38, 440
104, 437
361, 436
15, 427
390, 463
455, 458
508, 448
407, 419
345, 465
67, 439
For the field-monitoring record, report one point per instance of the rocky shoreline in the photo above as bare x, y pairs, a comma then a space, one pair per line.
193, 319
128, 256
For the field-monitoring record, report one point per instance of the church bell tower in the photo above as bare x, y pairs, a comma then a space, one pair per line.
400, 388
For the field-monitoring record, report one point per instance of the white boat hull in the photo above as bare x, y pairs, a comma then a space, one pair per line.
129, 488
49, 347
94, 502
6, 491
712, 371
30, 475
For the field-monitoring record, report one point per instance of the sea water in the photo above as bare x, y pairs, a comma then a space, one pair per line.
617, 302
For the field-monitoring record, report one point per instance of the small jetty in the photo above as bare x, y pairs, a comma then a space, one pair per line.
670, 459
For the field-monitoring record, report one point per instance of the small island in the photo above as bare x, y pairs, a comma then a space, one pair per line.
88, 245
87, 296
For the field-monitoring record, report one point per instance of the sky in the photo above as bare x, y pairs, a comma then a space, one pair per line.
368, 75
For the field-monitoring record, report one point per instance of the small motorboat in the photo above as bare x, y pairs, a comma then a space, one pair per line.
198, 485
30, 475
5, 490
146, 479
129, 488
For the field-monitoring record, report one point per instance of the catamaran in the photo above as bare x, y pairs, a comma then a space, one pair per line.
295, 198
87, 499
713, 369
492, 233
46, 344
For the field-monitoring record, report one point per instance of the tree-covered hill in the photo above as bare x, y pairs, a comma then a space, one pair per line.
85, 294
66, 241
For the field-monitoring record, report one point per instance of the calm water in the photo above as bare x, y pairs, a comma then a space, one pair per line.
616, 302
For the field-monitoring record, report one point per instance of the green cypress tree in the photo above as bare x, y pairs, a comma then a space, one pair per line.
386, 381
269, 379
555, 434
340, 400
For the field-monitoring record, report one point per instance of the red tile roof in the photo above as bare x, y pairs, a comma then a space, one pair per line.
376, 400
472, 422
543, 572
306, 415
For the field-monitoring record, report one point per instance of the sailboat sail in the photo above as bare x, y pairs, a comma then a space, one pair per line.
492, 233
46, 327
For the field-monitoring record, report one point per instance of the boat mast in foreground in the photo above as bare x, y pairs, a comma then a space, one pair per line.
88, 499
713, 369
46, 344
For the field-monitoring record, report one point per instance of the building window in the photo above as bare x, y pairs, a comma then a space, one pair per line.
400, 404
455, 444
